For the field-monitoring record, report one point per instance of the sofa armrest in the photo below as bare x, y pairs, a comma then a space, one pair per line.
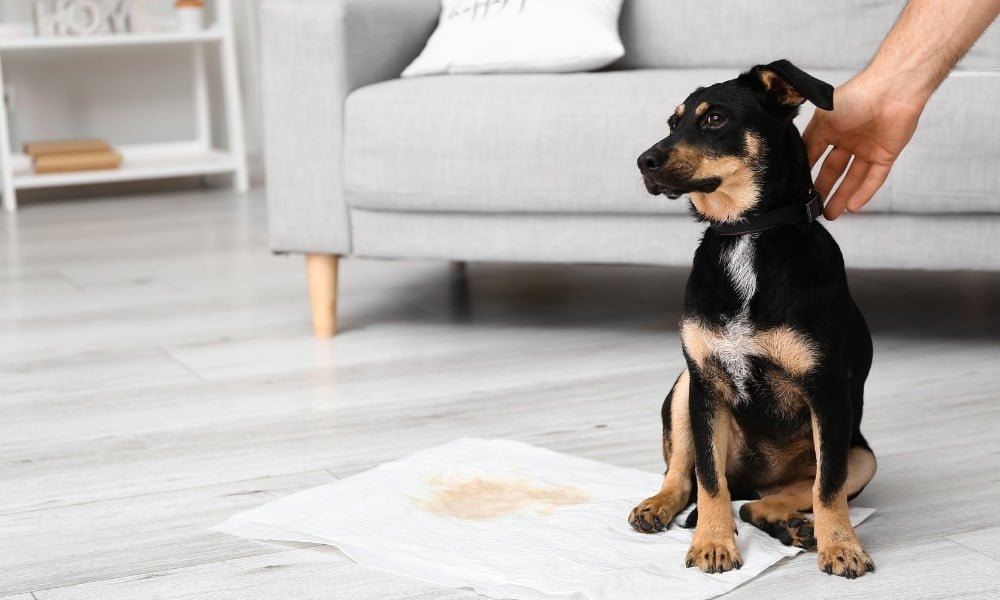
313, 54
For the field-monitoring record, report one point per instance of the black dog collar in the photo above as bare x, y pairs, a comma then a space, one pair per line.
786, 215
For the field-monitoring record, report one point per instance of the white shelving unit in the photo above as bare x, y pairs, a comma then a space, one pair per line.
146, 161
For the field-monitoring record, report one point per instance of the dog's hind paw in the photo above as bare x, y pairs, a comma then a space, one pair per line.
790, 528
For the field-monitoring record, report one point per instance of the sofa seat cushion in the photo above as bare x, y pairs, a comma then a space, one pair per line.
568, 143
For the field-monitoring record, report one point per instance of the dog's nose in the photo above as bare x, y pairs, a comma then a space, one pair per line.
650, 161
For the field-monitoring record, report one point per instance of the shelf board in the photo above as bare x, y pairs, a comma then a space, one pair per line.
154, 161
212, 34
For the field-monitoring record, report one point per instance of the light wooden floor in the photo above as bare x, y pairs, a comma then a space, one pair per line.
157, 375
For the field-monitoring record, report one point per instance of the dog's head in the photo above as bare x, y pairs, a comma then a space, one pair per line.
733, 147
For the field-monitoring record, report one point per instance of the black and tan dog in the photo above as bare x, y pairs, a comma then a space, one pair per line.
777, 352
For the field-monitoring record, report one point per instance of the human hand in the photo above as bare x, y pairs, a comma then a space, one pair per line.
868, 123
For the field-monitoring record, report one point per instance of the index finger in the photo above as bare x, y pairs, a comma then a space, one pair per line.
874, 179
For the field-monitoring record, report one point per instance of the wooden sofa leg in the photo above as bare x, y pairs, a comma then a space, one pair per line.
321, 269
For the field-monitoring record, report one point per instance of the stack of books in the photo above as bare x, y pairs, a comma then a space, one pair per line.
72, 155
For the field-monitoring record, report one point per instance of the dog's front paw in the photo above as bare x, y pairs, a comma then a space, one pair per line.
655, 513
845, 559
714, 556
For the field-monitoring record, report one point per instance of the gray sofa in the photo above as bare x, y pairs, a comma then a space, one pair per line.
542, 167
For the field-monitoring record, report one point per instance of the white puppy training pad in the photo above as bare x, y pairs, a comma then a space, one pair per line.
508, 520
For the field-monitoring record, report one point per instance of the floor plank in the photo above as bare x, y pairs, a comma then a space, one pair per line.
133, 535
317, 574
984, 541
935, 569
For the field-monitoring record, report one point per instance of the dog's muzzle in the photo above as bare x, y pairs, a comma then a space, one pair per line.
660, 181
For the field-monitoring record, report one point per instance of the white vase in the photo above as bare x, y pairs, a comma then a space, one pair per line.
190, 18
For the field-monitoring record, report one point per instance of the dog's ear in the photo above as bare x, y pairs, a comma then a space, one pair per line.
791, 86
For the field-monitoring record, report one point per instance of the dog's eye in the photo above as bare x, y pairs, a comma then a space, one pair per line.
672, 122
715, 120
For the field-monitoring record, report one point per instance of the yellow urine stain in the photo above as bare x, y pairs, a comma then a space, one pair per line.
482, 498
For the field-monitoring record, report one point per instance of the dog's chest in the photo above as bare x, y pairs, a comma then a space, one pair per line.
726, 352
733, 345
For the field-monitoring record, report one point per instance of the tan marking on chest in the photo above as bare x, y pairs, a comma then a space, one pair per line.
789, 349
696, 340
704, 348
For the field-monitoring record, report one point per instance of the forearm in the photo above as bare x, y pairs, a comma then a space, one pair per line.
928, 39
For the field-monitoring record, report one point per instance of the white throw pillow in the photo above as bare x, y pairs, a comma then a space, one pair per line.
521, 36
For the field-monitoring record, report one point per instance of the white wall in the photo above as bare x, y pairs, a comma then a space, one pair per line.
135, 96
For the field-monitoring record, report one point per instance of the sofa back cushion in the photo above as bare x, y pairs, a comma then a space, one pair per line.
828, 34
567, 144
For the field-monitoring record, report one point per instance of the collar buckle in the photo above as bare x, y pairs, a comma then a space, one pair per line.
814, 207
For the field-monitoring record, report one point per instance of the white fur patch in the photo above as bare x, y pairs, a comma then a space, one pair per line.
737, 260
736, 344
733, 348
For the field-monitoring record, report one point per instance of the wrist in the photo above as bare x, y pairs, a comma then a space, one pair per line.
896, 84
